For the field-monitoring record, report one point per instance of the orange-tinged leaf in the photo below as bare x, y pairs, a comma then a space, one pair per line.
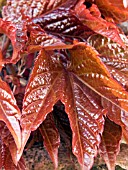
9, 112
110, 143
52, 83
114, 56
51, 137
117, 9
88, 67
98, 24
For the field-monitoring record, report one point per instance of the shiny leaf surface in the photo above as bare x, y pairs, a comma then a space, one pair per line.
117, 9
33, 8
98, 24
63, 22
51, 137
86, 120
10, 30
114, 56
88, 67
110, 143
9, 112
43, 92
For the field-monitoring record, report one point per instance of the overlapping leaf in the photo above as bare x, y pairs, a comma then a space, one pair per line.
48, 86
6, 159
8, 140
10, 30
43, 91
117, 115
97, 24
114, 8
9, 112
33, 8
110, 144
62, 23
86, 120
51, 138
88, 68
114, 56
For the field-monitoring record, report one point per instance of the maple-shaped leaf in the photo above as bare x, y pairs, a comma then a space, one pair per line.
114, 56
9, 112
117, 9
96, 23
6, 159
50, 81
11, 31
110, 143
51, 138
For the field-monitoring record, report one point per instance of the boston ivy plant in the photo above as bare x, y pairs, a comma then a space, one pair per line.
68, 51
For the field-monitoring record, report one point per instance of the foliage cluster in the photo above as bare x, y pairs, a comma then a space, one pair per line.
69, 58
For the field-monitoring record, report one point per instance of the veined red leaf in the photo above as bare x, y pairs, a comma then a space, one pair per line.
6, 159
98, 24
43, 91
39, 39
51, 138
11, 31
114, 56
117, 9
62, 23
33, 8
42, 94
86, 120
9, 112
88, 67
110, 143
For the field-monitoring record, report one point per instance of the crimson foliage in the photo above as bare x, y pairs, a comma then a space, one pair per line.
81, 61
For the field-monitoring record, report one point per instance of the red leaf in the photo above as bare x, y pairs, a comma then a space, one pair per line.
63, 23
117, 9
10, 112
86, 120
41, 93
98, 24
110, 144
89, 68
6, 160
11, 31
118, 116
34, 8
114, 56
51, 138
